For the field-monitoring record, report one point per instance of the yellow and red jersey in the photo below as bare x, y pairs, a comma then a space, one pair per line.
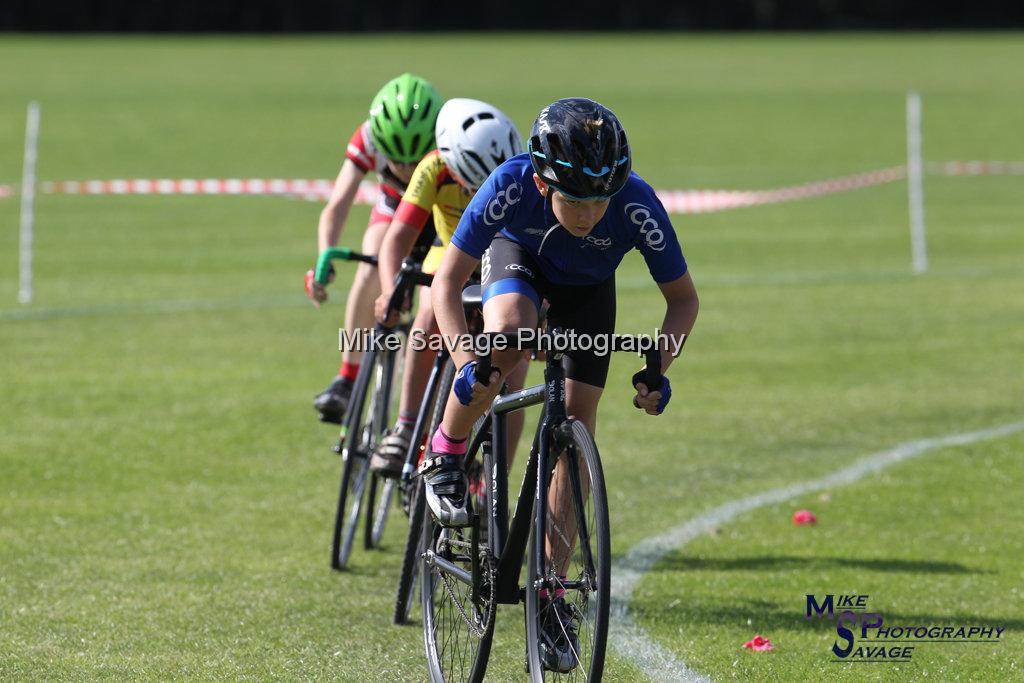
433, 191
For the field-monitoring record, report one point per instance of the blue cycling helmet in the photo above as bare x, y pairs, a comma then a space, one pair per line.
579, 147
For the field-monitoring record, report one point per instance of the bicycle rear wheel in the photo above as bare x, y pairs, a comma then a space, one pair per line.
458, 617
576, 567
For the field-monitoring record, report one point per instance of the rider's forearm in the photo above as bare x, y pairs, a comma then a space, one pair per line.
446, 297
679, 320
680, 316
397, 245
332, 219
334, 215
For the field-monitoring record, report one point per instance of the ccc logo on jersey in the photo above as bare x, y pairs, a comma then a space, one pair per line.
599, 242
500, 204
641, 215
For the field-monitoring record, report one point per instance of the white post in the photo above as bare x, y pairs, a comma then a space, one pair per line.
915, 183
28, 202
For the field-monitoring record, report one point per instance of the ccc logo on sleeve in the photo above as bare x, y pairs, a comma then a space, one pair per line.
519, 267
485, 266
500, 204
641, 215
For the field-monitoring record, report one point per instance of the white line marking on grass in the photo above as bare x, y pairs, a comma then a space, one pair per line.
626, 284
631, 639
163, 306
809, 277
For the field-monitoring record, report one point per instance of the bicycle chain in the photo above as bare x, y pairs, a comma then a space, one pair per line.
487, 569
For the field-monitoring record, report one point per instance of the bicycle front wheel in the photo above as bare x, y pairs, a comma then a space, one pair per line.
567, 593
365, 425
458, 576
414, 540
385, 405
353, 470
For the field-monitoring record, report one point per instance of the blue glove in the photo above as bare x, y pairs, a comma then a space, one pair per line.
464, 380
665, 389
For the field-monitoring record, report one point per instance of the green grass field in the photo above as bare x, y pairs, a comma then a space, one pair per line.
167, 495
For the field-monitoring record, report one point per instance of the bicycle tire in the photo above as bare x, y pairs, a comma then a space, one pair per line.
375, 425
414, 539
407, 577
588, 603
371, 509
391, 362
382, 509
349, 454
361, 435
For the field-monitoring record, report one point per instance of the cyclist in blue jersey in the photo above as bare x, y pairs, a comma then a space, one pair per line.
553, 223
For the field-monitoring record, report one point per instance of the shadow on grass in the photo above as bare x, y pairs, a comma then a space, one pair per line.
782, 562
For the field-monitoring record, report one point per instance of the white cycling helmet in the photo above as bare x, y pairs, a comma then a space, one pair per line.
474, 138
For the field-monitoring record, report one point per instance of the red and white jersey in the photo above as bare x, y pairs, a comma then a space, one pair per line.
364, 154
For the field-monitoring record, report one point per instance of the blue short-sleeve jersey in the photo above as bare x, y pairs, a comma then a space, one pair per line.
509, 202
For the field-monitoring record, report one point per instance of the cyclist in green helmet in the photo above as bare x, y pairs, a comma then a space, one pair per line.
397, 134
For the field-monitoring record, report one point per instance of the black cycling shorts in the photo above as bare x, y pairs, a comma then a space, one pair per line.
506, 267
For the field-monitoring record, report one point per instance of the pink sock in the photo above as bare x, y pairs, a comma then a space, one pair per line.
442, 443
543, 593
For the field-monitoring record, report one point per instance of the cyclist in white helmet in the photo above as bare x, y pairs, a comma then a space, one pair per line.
473, 138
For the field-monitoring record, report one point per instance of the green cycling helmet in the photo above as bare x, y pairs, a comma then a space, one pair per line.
402, 118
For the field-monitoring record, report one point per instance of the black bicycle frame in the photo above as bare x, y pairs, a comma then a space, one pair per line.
509, 542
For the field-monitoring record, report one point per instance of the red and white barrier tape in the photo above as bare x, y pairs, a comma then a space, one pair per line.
976, 167
675, 201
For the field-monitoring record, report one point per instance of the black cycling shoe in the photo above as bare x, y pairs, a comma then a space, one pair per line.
560, 644
389, 456
332, 401
447, 488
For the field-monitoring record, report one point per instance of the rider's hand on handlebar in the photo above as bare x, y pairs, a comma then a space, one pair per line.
314, 290
652, 402
380, 310
469, 391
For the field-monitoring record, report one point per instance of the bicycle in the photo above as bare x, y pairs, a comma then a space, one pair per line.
463, 580
368, 418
